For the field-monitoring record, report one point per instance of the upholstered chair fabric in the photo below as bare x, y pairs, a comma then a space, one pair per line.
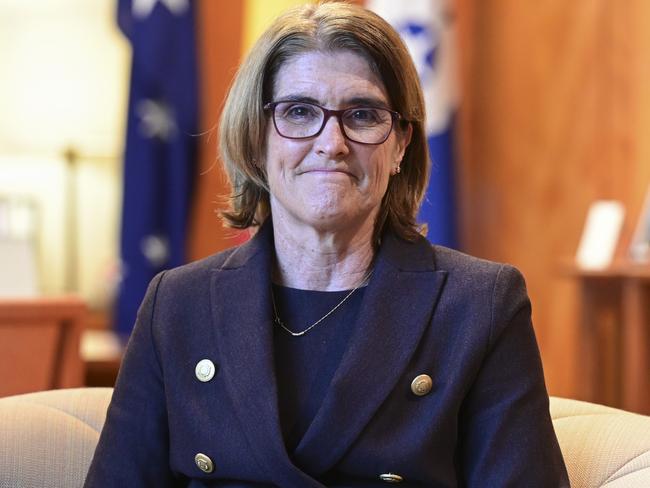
602, 447
47, 439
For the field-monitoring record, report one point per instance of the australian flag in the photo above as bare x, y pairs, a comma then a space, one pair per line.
427, 28
160, 153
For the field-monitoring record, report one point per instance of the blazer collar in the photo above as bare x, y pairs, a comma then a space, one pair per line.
396, 309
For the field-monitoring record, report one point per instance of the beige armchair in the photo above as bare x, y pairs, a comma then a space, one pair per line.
47, 440
602, 446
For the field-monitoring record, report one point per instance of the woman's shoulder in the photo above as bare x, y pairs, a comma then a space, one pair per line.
421, 255
467, 268
497, 290
453, 260
199, 270
185, 291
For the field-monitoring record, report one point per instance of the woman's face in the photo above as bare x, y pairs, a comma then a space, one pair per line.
328, 182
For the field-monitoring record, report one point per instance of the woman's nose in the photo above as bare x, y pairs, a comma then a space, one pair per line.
331, 141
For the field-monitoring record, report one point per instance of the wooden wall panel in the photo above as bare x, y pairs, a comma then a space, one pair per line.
220, 42
554, 115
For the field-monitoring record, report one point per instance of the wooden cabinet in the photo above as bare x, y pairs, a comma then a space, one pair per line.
39, 344
614, 336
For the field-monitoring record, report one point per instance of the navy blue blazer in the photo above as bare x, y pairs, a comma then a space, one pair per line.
463, 321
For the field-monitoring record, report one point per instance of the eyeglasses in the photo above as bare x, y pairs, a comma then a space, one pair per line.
302, 120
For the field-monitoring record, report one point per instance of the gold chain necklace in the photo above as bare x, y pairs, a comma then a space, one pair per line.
278, 321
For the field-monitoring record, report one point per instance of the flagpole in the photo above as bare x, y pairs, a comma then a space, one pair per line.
71, 281
73, 158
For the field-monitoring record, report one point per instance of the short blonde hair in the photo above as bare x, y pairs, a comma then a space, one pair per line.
325, 27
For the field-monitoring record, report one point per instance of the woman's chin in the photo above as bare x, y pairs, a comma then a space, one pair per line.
325, 211
335, 220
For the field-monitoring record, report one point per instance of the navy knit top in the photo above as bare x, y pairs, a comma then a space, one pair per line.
305, 365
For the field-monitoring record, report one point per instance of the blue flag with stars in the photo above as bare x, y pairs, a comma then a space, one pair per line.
426, 26
160, 152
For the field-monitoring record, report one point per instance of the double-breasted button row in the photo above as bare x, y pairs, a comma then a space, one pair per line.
420, 386
204, 371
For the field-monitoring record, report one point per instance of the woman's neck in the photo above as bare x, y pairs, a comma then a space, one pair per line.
309, 259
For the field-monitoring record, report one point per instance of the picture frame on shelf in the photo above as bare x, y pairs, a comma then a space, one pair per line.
600, 235
639, 250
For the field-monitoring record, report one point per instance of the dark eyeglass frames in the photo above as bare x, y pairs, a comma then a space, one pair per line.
302, 120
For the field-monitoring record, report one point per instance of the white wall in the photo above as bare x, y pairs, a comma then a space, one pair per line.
63, 83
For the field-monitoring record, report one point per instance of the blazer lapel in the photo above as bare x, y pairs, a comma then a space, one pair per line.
241, 307
396, 309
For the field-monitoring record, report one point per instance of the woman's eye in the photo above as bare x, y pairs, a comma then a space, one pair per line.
364, 115
299, 112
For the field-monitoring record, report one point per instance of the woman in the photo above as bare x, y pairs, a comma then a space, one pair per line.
337, 347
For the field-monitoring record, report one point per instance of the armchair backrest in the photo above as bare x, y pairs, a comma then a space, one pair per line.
602, 446
48, 438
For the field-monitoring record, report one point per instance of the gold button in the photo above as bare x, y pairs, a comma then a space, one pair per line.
204, 370
204, 463
421, 385
391, 478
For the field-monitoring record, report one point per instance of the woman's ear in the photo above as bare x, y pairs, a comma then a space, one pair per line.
403, 140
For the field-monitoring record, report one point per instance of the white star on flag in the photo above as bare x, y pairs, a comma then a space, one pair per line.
143, 8
156, 119
156, 249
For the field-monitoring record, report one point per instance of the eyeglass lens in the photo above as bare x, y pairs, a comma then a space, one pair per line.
367, 125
